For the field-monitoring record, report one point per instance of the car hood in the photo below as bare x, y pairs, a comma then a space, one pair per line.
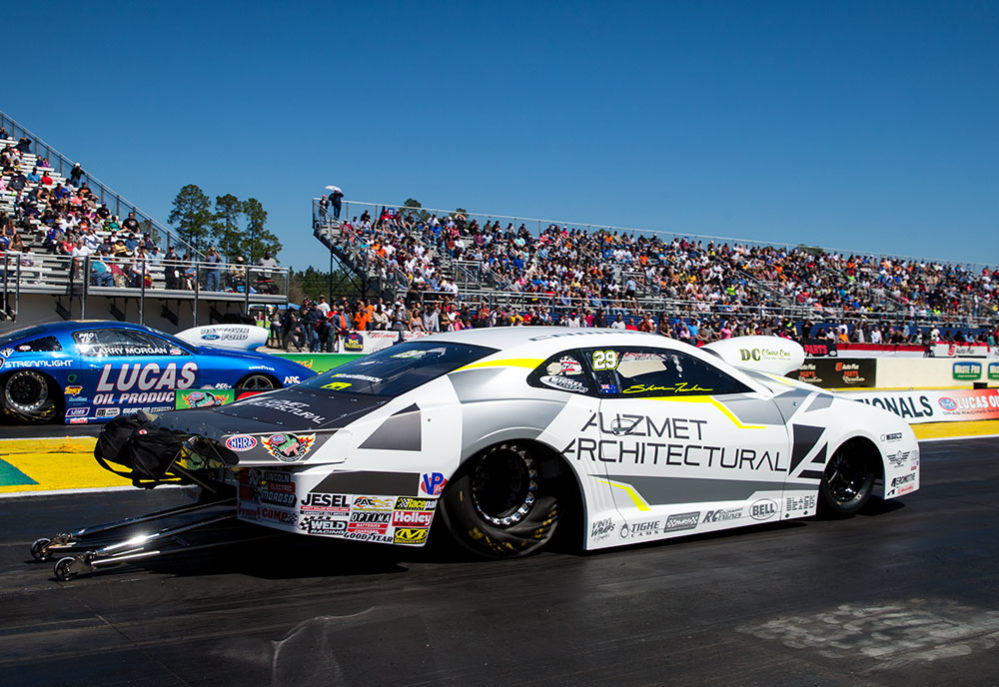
294, 410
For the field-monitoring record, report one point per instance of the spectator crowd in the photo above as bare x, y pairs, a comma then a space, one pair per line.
564, 269
44, 212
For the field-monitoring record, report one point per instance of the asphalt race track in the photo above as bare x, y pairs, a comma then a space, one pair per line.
904, 594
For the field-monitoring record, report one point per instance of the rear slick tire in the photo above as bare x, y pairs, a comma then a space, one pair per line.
502, 503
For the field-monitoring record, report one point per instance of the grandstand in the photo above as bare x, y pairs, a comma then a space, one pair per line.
70, 246
717, 285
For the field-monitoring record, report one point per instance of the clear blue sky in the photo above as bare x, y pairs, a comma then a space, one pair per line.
853, 125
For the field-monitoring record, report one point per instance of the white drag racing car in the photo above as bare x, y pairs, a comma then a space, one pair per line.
501, 436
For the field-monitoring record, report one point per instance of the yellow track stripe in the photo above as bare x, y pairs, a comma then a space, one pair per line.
639, 502
55, 464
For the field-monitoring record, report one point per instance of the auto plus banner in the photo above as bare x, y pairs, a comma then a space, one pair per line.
837, 373
948, 405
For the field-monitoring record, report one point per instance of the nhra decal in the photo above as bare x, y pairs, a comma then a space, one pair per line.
289, 448
147, 377
240, 443
644, 452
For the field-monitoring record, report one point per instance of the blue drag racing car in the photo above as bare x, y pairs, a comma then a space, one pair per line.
93, 371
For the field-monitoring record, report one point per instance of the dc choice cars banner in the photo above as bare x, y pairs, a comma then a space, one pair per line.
947, 405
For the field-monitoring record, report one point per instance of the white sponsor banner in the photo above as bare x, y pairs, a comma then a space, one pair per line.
942, 349
948, 405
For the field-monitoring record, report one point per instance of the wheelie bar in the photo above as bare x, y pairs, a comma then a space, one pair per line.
136, 548
45, 547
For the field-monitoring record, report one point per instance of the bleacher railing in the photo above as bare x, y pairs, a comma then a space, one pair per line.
119, 206
80, 277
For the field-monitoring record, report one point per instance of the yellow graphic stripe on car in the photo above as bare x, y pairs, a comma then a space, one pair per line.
639, 502
709, 400
530, 363
783, 380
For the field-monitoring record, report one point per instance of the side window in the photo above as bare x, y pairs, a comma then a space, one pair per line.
646, 372
563, 372
44, 344
98, 343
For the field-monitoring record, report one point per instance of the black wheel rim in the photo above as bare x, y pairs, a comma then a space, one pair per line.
257, 383
505, 487
846, 477
26, 392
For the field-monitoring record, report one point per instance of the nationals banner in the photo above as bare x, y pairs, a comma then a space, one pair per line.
947, 405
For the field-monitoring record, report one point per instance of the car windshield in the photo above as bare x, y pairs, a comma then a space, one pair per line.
396, 370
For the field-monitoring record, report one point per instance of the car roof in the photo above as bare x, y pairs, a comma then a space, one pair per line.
556, 338
69, 326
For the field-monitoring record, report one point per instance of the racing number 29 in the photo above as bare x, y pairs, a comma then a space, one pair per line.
604, 360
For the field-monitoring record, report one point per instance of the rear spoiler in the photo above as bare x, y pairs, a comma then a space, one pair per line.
770, 354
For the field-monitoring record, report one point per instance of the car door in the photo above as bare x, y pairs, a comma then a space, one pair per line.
687, 445
575, 433
126, 370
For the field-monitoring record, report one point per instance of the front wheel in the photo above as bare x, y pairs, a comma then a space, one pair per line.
27, 396
503, 503
847, 482
256, 383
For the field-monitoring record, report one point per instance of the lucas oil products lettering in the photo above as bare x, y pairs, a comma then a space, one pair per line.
147, 377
